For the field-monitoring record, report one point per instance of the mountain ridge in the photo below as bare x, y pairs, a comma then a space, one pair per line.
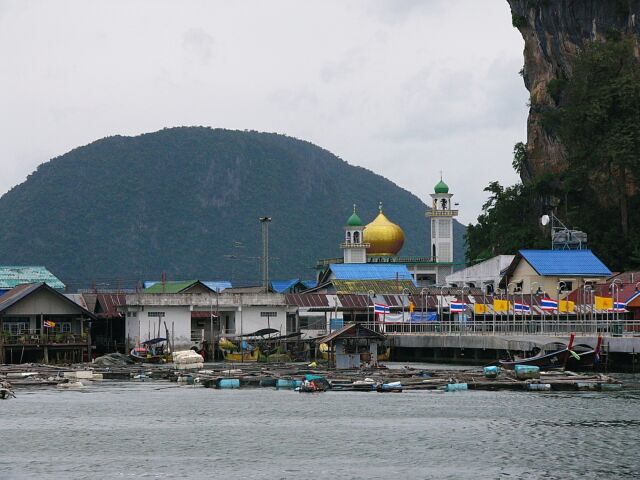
125, 209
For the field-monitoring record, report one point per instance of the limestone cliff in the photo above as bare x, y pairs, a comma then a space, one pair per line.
554, 31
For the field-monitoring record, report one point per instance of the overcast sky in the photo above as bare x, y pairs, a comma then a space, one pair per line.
405, 88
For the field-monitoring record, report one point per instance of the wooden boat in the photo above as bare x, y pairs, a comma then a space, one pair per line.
238, 356
6, 391
545, 361
151, 351
232, 353
585, 360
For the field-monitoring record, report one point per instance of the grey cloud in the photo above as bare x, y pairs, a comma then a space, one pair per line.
198, 43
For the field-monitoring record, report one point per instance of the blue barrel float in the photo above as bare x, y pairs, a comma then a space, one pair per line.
228, 383
455, 387
284, 383
491, 372
540, 387
525, 372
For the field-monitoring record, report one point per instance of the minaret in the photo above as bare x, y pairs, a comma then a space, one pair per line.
355, 250
442, 216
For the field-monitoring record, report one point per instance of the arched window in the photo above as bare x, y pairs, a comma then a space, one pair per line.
443, 202
348, 237
356, 237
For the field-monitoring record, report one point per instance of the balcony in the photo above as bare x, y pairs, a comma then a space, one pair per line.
355, 245
442, 213
39, 339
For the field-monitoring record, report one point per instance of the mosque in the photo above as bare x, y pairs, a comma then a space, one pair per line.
366, 248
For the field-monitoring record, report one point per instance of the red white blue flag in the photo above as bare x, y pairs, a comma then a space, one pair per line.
548, 304
456, 307
380, 308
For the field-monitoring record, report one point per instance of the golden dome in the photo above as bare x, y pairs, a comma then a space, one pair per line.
384, 236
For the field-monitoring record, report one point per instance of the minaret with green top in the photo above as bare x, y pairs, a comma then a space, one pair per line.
354, 248
442, 215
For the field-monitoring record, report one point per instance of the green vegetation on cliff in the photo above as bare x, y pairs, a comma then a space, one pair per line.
597, 120
187, 201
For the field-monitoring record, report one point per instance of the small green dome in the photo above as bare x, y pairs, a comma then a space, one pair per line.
354, 219
442, 187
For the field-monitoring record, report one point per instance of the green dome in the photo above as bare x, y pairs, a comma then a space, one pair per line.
442, 187
354, 220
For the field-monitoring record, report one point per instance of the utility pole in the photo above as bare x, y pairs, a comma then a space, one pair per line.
265, 252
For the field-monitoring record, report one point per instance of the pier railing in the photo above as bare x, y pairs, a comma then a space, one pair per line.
512, 327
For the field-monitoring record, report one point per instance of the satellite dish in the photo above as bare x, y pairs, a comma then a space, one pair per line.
544, 220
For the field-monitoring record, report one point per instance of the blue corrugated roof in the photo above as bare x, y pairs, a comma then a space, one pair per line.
370, 271
219, 285
565, 262
283, 286
310, 283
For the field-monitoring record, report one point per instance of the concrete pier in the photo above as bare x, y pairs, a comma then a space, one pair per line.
620, 353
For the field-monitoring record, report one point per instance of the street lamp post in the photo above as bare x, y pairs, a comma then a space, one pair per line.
561, 288
615, 286
513, 292
531, 292
441, 306
405, 300
465, 303
586, 297
371, 293
499, 292
424, 294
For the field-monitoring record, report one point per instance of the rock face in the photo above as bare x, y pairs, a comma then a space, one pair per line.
554, 31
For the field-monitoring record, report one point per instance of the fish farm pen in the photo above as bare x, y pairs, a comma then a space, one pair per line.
307, 378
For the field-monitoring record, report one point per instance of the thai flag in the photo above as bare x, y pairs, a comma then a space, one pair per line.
521, 307
548, 304
618, 307
379, 308
455, 307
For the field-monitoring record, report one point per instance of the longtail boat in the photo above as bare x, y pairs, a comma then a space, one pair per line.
546, 361
587, 359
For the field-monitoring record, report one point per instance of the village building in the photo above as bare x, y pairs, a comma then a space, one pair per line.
192, 318
554, 272
354, 345
40, 324
486, 275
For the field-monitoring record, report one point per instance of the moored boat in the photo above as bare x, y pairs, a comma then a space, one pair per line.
585, 360
545, 361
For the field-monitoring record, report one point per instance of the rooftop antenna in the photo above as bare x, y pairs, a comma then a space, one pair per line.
562, 237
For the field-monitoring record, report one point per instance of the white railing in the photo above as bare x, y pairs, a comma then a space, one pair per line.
513, 327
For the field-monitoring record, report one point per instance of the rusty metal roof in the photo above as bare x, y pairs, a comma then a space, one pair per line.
309, 300
352, 330
355, 301
107, 304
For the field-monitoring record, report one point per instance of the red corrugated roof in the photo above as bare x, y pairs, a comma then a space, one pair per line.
107, 304
355, 301
307, 300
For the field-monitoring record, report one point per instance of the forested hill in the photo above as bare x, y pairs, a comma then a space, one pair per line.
186, 201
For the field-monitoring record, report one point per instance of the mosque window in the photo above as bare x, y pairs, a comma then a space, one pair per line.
349, 237
356, 237
443, 202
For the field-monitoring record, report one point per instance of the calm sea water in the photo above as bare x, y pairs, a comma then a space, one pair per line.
161, 430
